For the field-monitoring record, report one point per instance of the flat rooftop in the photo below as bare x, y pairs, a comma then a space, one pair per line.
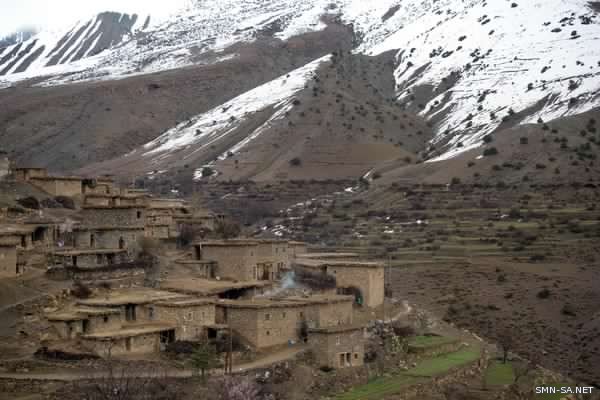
130, 331
112, 207
297, 301
206, 287
15, 229
318, 263
189, 302
80, 313
337, 329
328, 255
129, 296
228, 242
86, 252
57, 178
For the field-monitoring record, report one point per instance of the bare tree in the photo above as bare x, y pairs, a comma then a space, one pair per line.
235, 388
506, 343
127, 382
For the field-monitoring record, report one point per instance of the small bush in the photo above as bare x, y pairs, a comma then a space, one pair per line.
81, 291
29, 202
544, 294
492, 151
65, 202
295, 162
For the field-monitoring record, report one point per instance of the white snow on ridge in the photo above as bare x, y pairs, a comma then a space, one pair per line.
505, 57
509, 54
217, 123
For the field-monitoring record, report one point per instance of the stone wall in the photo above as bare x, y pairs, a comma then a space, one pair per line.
190, 320
58, 186
234, 262
339, 349
130, 216
369, 280
8, 261
110, 239
330, 314
142, 344
158, 231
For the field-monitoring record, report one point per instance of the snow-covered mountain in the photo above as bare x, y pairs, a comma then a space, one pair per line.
468, 66
37, 54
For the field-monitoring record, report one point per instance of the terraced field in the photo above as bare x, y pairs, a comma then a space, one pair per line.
426, 369
501, 261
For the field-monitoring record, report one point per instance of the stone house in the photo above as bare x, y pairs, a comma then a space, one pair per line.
296, 248
69, 186
337, 347
202, 287
148, 320
236, 259
189, 315
85, 320
24, 174
98, 186
89, 259
109, 237
272, 254
264, 323
365, 280
128, 340
27, 235
245, 259
114, 216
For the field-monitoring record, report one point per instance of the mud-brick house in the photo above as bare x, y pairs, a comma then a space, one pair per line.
189, 315
365, 280
109, 237
262, 323
150, 320
114, 215
82, 320
339, 346
89, 259
29, 235
8, 256
200, 287
98, 186
273, 255
111, 227
23, 174
69, 186
296, 248
236, 259
127, 340
245, 259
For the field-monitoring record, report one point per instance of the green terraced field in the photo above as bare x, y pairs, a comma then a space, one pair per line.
381, 387
499, 374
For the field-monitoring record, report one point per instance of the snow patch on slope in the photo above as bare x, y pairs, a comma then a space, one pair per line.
205, 129
506, 57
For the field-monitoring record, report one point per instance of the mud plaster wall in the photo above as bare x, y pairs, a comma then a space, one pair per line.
190, 320
327, 348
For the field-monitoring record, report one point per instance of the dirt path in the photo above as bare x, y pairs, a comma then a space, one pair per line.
68, 375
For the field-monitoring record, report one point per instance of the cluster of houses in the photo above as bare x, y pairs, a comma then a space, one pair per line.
234, 285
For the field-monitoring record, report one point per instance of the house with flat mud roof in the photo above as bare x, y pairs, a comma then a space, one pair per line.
245, 259
365, 280
139, 321
341, 346
222, 289
98, 186
264, 322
